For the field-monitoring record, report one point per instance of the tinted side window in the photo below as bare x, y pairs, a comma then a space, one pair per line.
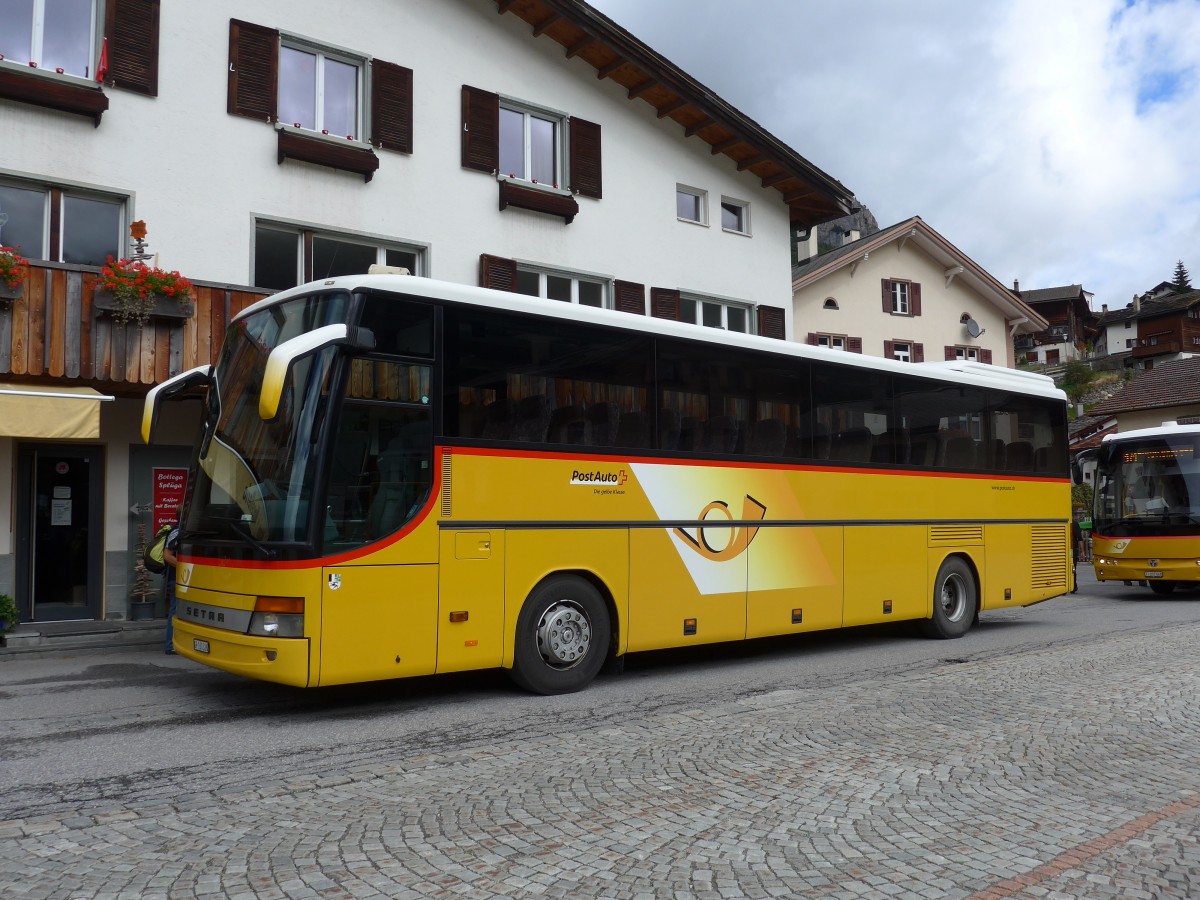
401, 327
947, 424
517, 378
1028, 434
707, 398
852, 418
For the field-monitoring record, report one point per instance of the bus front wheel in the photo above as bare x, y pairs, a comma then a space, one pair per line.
955, 600
562, 637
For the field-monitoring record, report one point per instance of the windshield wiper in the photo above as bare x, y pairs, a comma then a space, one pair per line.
266, 551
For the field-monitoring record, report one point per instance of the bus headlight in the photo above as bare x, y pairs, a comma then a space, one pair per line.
287, 625
277, 617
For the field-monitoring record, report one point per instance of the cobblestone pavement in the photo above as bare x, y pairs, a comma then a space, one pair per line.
1050, 773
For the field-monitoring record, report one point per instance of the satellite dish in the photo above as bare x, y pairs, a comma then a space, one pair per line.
972, 327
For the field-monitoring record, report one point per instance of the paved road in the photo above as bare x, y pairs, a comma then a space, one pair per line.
1050, 753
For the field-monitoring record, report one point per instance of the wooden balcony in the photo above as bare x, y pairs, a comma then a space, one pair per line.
54, 331
1144, 348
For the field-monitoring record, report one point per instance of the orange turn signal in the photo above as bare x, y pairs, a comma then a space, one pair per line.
459, 615
279, 604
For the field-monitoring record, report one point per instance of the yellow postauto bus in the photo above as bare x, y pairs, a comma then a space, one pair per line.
1146, 513
401, 477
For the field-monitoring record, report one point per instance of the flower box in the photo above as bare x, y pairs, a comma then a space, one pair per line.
9, 294
163, 307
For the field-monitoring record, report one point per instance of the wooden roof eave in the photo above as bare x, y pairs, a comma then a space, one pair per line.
811, 195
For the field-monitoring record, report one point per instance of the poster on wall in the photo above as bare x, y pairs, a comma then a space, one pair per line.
170, 485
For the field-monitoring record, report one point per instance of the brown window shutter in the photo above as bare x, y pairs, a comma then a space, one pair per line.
887, 295
918, 354
253, 71
391, 106
585, 159
951, 354
812, 338
630, 297
914, 299
854, 344
497, 272
985, 356
664, 303
772, 322
131, 30
481, 129
889, 349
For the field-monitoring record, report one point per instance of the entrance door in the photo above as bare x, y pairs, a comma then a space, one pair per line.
60, 535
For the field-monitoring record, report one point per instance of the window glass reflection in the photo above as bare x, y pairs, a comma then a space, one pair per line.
297, 87
91, 230
276, 259
17, 32
67, 36
25, 227
341, 98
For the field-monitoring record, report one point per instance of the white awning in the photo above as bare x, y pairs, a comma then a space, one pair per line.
55, 413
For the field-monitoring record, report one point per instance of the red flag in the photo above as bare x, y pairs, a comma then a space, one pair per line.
102, 66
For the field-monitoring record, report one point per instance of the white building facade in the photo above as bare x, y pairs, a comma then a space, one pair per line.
535, 147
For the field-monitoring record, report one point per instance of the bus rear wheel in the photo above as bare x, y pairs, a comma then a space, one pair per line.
562, 637
1162, 587
955, 600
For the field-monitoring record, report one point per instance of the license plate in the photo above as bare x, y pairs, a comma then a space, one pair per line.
1154, 574
199, 646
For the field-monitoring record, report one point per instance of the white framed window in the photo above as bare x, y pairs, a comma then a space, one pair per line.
320, 90
970, 354
900, 298
832, 341
56, 35
92, 223
566, 287
281, 260
735, 215
691, 204
715, 312
531, 141
902, 350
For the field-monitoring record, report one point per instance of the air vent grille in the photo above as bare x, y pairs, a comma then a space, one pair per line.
447, 482
1049, 556
956, 535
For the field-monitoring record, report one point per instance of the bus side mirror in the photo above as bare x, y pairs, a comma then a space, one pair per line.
1077, 462
201, 376
283, 357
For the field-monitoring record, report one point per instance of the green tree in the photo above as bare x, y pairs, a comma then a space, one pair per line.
1182, 281
1077, 378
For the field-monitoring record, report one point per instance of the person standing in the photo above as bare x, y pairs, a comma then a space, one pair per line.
172, 561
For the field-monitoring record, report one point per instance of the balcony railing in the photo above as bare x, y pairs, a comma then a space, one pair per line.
53, 330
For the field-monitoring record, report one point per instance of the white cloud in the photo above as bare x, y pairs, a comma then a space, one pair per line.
1054, 142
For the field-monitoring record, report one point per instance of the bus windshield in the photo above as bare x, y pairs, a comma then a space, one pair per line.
255, 479
1148, 487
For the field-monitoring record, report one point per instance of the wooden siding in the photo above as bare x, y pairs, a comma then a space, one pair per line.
52, 332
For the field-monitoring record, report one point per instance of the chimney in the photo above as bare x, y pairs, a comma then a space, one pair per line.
849, 237
1103, 307
1137, 303
1016, 286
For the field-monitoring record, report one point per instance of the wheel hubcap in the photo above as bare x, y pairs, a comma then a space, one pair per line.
954, 597
564, 635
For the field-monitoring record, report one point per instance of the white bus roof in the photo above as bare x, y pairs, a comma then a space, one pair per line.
1166, 428
961, 371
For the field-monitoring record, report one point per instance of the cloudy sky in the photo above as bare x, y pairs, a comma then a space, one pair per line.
1052, 141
